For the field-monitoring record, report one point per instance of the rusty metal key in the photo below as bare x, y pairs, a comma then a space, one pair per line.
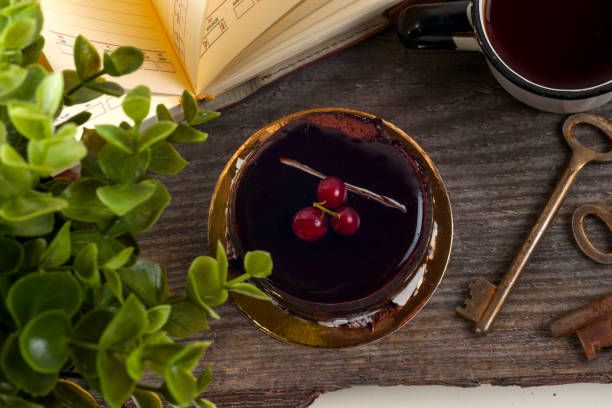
486, 299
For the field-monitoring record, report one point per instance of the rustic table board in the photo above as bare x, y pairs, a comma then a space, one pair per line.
499, 160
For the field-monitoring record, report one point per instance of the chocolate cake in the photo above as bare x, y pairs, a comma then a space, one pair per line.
336, 275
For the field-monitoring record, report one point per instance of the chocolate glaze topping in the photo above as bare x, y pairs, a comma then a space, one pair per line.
353, 271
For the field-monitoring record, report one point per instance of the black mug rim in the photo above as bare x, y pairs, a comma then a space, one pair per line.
520, 81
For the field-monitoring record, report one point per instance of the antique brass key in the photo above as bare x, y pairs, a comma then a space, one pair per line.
486, 299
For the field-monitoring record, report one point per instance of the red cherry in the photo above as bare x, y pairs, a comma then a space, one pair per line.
309, 224
348, 222
331, 192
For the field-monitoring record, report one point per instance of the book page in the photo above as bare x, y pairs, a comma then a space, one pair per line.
230, 26
109, 24
334, 18
183, 21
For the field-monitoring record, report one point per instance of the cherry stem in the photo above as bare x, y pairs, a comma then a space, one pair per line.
325, 210
389, 202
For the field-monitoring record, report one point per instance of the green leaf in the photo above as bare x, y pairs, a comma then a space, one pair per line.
203, 285
122, 198
137, 103
190, 106
86, 58
86, 265
121, 167
78, 119
44, 341
158, 316
258, 264
106, 87
31, 124
49, 93
77, 94
249, 290
222, 264
123, 61
146, 399
73, 396
107, 246
120, 259
33, 227
186, 134
89, 330
155, 134
11, 255
19, 34
115, 383
11, 78
186, 318
59, 152
58, 251
26, 91
12, 401
14, 182
204, 116
203, 403
42, 291
127, 325
163, 113
114, 282
147, 280
83, 203
143, 216
32, 205
32, 52
179, 379
20, 373
204, 379
166, 160
33, 250
116, 137
11, 157
152, 351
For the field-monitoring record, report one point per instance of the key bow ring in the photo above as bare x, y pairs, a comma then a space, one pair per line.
602, 210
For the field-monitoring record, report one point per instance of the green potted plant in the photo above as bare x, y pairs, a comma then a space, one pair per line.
78, 304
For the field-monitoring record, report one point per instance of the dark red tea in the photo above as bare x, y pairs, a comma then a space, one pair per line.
336, 268
561, 44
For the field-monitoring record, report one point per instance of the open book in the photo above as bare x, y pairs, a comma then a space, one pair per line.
220, 50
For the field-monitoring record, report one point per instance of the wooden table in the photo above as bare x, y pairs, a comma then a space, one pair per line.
499, 160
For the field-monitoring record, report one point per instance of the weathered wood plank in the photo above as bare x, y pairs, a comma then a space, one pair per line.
499, 160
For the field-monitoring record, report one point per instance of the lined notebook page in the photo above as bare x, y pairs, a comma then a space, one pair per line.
108, 24
230, 26
183, 20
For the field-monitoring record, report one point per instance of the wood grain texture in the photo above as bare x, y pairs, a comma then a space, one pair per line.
499, 160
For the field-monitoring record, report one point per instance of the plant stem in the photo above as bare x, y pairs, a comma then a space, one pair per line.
84, 344
148, 387
70, 374
325, 210
86, 80
176, 299
239, 279
110, 225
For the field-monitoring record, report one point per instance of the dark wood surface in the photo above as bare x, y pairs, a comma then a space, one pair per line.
499, 160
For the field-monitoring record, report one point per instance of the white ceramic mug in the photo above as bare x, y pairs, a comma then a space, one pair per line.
461, 25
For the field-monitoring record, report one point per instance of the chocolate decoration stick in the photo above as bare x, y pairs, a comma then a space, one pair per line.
586, 315
389, 202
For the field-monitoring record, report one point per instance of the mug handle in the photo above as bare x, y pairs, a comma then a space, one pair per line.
437, 26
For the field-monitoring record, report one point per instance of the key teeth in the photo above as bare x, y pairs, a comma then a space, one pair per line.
481, 293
